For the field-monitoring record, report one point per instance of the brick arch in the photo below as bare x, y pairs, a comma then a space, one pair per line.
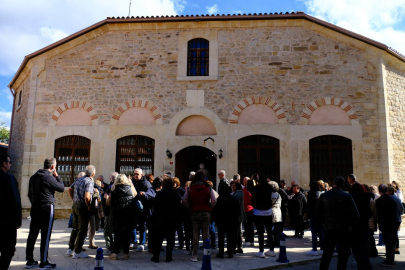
237, 110
137, 103
71, 105
317, 103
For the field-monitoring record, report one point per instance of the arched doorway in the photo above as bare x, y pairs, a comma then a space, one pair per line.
259, 154
330, 156
189, 159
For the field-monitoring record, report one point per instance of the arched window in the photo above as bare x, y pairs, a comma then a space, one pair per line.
197, 57
135, 152
330, 156
259, 154
72, 155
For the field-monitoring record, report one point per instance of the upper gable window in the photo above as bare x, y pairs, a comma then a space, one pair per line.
198, 57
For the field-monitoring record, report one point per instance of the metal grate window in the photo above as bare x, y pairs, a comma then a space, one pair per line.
330, 156
73, 155
197, 57
135, 152
259, 154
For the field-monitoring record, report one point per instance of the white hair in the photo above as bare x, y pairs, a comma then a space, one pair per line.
113, 176
223, 172
90, 170
139, 170
81, 174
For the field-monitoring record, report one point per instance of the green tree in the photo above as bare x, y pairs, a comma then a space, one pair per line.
4, 133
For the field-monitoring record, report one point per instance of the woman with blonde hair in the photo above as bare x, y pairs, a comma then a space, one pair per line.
121, 214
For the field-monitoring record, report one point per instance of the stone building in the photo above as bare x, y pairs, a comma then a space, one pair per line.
285, 95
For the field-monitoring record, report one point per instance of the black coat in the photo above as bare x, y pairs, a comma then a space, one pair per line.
167, 208
122, 212
10, 202
261, 197
313, 197
297, 205
224, 187
284, 198
386, 213
336, 210
226, 211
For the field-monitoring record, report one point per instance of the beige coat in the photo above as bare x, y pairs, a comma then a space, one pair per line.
276, 208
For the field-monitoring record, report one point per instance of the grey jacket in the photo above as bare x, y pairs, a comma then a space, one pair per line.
240, 197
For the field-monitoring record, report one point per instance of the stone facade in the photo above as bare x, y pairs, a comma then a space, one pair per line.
292, 66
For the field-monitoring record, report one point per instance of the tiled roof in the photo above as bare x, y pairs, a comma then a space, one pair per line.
223, 17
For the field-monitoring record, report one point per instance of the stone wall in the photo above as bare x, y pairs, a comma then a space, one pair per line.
295, 67
395, 84
292, 65
17, 146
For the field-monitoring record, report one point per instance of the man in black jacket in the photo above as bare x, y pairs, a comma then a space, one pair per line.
42, 187
338, 213
224, 186
10, 212
297, 210
141, 185
387, 223
226, 215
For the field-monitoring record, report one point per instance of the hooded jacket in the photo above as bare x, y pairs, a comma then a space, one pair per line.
122, 209
42, 187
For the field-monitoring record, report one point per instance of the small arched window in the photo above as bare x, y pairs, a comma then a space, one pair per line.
197, 57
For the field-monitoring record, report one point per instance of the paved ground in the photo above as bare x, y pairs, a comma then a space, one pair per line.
296, 253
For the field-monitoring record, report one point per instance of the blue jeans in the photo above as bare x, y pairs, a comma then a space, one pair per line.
212, 233
142, 233
316, 230
70, 222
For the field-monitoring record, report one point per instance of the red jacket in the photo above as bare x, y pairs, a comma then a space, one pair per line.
247, 201
199, 198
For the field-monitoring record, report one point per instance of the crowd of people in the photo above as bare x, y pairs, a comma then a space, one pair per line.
159, 208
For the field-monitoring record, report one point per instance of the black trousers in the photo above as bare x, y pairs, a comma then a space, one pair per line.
297, 225
122, 238
283, 215
188, 231
41, 220
230, 231
261, 223
373, 249
342, 238
360, 245
390, 242
249, 228
7, 245
169, 232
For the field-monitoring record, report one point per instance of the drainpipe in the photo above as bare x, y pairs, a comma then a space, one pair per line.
12, 120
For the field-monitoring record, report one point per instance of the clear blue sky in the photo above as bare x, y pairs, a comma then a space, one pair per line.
27, 26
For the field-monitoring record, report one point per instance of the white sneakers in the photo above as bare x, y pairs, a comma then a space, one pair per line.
260, 254
79, 255
140, 248
270, 253
133, 246
69, 252
314, 253
193, 258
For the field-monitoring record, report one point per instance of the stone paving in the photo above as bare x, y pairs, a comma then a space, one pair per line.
296, 253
